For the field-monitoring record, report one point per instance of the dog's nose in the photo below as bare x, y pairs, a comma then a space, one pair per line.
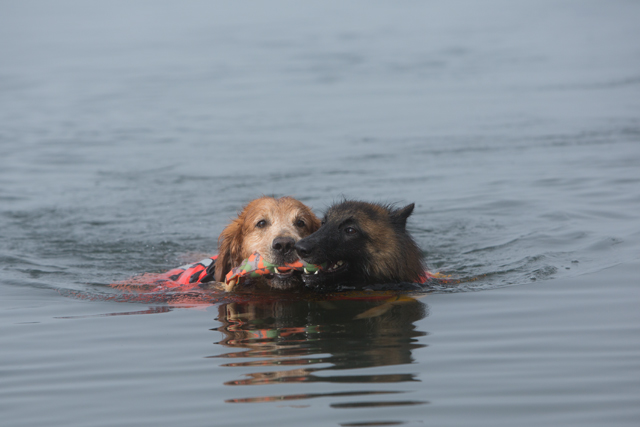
283, 245
303, 248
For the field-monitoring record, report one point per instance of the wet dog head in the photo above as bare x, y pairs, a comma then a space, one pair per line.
362, 244
271, 227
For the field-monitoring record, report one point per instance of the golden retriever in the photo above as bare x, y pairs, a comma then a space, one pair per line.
270, 227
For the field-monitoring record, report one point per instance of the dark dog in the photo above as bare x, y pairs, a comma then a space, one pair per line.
362, 244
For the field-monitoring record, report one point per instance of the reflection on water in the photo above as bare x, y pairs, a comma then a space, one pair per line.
308, 341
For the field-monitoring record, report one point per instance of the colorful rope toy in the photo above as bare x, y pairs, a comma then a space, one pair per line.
256, 266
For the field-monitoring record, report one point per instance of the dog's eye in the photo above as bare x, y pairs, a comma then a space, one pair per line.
261, 224
300, 223
350, 231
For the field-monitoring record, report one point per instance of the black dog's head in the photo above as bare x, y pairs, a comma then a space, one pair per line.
362, 244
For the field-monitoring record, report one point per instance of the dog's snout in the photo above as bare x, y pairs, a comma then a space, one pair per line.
284, 245
303, 248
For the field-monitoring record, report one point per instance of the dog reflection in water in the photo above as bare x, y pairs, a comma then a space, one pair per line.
299, 338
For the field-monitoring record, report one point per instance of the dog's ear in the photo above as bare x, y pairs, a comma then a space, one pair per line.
399, 216
229, 249
314, 223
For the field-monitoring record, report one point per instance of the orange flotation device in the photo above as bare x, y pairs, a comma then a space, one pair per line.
191, 276
193, 285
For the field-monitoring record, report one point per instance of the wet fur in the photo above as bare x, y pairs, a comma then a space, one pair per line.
243, 236
379, 251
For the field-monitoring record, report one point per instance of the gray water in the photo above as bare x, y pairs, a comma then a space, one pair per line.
132, 132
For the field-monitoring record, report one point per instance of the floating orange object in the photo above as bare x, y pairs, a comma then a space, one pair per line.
193, 284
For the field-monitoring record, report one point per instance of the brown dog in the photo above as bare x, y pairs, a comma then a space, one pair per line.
270, 227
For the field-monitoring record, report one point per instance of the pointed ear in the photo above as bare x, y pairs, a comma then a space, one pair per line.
399, 216
229, 250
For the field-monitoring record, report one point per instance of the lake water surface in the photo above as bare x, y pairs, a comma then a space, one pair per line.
132, 132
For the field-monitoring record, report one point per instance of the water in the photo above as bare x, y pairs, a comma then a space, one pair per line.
130, 133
